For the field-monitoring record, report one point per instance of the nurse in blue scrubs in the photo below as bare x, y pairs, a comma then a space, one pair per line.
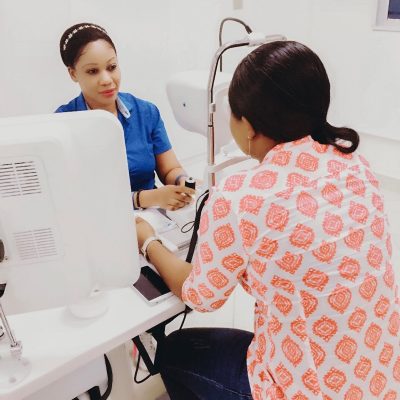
91, 58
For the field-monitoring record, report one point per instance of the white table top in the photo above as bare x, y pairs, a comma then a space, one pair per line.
56, 342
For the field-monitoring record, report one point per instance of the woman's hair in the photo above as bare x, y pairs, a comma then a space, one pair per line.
75, 38
283, 90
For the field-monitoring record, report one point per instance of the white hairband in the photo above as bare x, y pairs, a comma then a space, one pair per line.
71, 34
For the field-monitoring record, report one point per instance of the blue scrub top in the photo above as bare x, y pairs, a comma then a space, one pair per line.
145, 135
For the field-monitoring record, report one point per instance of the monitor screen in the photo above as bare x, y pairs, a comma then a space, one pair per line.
66, 216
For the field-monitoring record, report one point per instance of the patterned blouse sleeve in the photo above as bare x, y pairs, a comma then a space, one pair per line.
219, 260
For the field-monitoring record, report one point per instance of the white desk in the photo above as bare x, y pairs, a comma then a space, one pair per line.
60, 346
66, 353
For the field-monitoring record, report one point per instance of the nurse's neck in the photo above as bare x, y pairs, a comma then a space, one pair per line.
112, 108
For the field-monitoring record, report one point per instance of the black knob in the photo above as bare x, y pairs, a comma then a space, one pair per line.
190, 183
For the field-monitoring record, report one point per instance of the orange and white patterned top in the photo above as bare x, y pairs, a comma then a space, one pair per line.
305, 233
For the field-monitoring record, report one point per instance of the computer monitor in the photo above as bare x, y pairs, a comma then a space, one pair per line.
66, 216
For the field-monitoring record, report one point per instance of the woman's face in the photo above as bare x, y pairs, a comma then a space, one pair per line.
98, 75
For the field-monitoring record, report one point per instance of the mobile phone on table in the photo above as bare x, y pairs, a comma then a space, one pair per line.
151, 287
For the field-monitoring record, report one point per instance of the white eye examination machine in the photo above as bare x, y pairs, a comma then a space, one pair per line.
199, 100
66, 218
67, 234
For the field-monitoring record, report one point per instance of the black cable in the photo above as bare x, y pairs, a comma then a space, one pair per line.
136, 372
187, 227
158, 332
232, 46
185, 313
146, 358
193, 240
190, 224
94, 393
248, 30
2, 288
110, 379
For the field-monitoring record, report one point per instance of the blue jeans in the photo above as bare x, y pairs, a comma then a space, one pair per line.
205, 364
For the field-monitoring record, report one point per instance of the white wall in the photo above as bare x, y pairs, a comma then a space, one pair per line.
363, 64
156, 38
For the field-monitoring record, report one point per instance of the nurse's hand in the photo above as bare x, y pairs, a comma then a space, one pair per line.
143, 231
171, 197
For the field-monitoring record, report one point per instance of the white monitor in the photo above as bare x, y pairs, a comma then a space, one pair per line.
66, 217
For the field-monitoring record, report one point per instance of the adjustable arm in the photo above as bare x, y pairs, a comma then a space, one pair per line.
252, 39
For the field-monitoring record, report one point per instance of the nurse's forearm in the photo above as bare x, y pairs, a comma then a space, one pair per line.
175, 176
147, 198
172, 269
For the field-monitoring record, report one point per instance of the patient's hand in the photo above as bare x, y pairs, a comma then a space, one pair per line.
143, 230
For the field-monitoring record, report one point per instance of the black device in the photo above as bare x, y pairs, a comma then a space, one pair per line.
190, 183
151, 286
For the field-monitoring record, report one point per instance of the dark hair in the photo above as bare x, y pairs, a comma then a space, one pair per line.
75, 38
283, 90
